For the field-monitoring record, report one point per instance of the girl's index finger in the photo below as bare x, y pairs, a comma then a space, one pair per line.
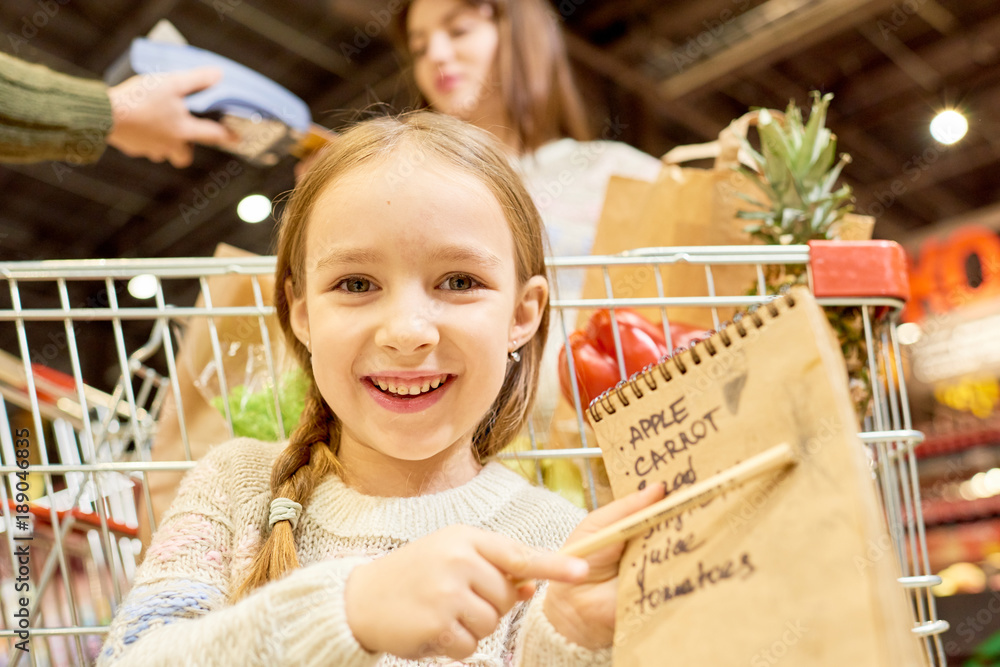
521, 562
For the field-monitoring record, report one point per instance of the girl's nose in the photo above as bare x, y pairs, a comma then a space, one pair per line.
408, 326
439, 47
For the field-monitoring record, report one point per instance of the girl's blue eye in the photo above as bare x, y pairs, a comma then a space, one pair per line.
355, 285
460, 282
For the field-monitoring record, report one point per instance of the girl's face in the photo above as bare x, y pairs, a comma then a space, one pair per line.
411, 304
454, 48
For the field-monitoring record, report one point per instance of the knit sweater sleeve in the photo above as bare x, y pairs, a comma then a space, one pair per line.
45, 115
536, 643
178, 611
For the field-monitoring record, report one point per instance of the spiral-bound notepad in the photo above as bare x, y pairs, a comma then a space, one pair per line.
793, 567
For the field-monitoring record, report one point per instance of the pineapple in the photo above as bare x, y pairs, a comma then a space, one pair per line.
796, 172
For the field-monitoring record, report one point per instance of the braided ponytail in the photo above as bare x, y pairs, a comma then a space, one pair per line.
300, 466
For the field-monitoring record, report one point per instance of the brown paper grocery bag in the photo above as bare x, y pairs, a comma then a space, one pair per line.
204, 424
685, 206
795, 564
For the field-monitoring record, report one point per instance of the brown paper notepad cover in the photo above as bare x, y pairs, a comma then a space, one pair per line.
782, 567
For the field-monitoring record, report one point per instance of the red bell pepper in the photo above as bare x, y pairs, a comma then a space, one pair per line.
594, 359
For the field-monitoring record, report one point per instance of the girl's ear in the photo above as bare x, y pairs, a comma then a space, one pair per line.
528, 310
298, 314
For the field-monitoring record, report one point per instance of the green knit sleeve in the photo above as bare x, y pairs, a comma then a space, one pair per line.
45, 115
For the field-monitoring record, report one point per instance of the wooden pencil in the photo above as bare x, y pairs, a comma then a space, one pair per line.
772, 459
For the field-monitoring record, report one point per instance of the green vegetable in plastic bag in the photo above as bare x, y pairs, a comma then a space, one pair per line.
253, 412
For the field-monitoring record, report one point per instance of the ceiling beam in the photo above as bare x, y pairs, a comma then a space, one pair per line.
141, 20
929, 174
909, 62
951, 58
378, 76
644, 87
773, 41
166, 235
286, 37
71, 179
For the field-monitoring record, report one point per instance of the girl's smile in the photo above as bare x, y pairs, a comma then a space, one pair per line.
398, 394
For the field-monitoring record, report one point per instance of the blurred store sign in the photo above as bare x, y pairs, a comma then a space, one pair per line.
980, 397
955, 271
961, 344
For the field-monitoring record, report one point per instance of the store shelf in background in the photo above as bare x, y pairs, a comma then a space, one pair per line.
942, 444
963, 543
938, 512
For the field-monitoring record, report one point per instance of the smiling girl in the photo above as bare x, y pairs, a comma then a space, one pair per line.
382, 532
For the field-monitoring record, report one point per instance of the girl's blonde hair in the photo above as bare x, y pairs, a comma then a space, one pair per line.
414, 140
535, 77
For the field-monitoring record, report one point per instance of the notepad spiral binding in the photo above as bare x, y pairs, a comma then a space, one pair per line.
647, 374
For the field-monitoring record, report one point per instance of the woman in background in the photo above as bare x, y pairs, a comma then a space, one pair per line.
502, 66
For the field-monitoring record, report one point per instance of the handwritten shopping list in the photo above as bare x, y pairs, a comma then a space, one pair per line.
721, 582
663, 448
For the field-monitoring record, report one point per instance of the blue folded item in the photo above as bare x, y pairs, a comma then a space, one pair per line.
268, 117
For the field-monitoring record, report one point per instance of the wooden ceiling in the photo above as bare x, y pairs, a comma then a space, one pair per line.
662, 72
665, 72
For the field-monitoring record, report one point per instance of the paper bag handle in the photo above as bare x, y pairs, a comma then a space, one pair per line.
727, 149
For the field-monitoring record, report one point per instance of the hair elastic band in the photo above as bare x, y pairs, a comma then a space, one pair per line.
284, 509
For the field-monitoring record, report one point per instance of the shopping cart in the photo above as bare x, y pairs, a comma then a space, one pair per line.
79, 436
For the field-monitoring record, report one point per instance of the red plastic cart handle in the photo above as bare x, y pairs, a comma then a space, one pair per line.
89, 518
859, 269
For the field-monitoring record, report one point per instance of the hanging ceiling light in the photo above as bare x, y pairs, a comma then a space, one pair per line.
949, 126
142, 286
253, 208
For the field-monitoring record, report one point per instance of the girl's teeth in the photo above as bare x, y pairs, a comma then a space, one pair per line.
403, 390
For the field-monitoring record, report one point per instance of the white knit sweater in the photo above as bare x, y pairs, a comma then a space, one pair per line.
178, 614
568, 181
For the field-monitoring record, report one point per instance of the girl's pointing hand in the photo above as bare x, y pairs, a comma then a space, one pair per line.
584, 612
441, 594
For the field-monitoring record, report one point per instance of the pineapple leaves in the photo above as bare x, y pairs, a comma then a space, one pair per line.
796, 171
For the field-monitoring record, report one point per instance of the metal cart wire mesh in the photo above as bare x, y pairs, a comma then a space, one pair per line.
77, 461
